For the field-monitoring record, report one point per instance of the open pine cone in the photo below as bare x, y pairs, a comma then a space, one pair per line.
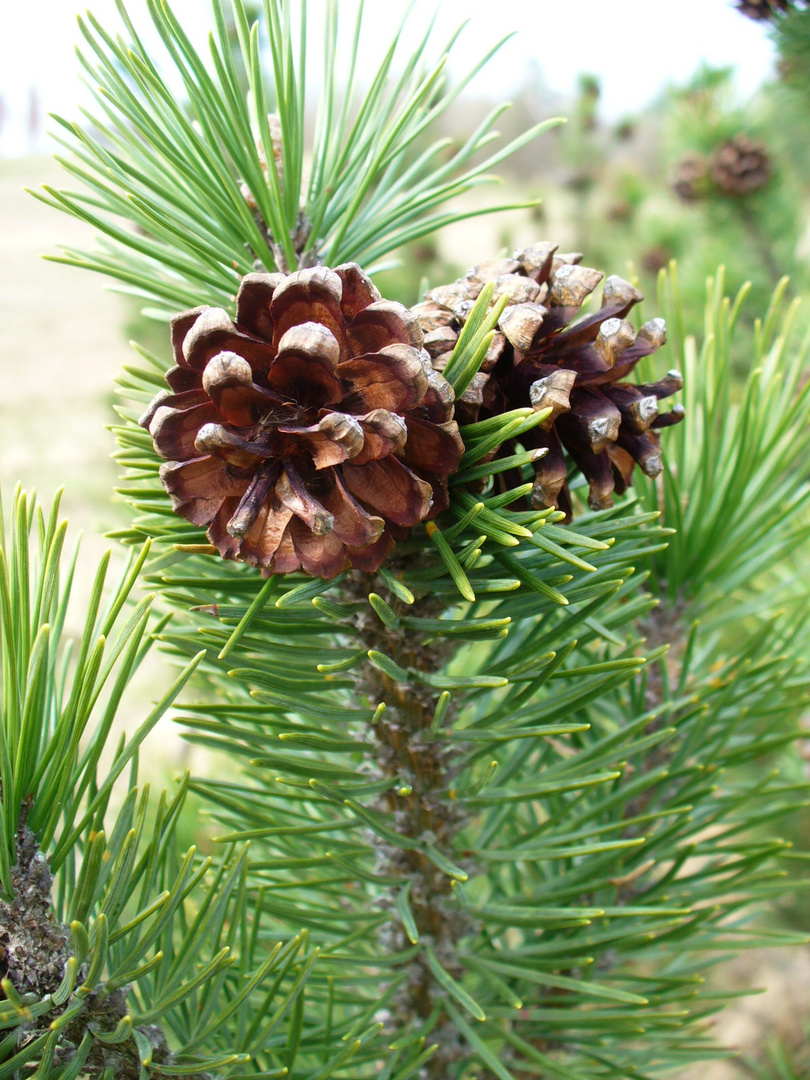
311, 432
740, 166
542, 358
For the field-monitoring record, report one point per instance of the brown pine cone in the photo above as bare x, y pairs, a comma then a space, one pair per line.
691, 180
542, 358
655, 259
311, 432
762, 10
741, 166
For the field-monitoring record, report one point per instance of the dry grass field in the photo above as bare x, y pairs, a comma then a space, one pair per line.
61, 345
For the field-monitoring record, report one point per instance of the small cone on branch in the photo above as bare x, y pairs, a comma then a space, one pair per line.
655, 259
311, 432
763, 10
546, 356
692, 181
741, 166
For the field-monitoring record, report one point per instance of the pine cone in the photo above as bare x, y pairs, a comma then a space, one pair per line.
311, 432
656, 259
691, 181
741, 166
763, 9
540, 358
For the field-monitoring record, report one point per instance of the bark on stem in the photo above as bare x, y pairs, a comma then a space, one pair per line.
411, 754
34, 949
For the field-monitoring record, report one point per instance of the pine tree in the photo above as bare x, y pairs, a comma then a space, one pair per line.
509, 790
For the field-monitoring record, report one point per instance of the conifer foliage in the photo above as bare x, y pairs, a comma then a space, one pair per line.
122, 954
509, 788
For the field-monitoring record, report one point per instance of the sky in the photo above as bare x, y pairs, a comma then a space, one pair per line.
636, 47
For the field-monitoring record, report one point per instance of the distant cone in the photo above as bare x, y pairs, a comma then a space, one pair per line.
763, 10
656, 258
309, 433
692, 181
541, 357
741, 166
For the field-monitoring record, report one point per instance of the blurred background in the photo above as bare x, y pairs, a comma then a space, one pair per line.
688, 138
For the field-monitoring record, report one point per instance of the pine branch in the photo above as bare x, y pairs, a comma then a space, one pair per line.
736, 474
596, 870
120, 954
489, 807
215, 187
512, 803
